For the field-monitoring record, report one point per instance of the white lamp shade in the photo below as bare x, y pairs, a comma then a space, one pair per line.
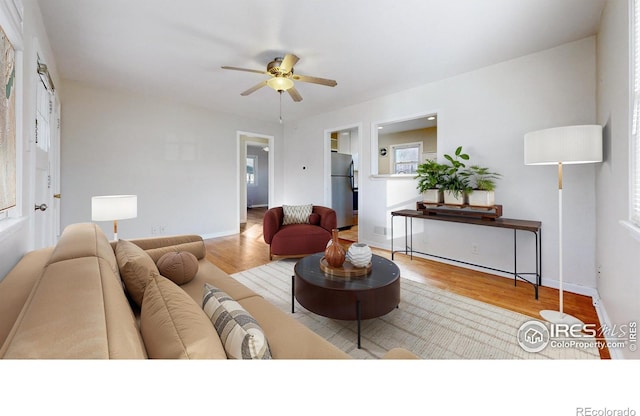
114, 207
570, 144
280, 83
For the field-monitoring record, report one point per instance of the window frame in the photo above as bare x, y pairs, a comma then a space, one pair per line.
254, 158
634, 165
395, 147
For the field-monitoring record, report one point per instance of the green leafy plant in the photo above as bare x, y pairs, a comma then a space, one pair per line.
430, 175
481, 178
456, 181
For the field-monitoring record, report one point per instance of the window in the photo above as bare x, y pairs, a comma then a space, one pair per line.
405, 158
252, 166
634, 215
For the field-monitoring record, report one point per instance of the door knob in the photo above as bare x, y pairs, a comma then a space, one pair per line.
41, 207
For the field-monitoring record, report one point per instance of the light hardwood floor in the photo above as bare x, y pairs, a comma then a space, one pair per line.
248, 249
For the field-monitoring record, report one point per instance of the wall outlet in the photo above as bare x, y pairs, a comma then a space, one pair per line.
154, 230
475, 249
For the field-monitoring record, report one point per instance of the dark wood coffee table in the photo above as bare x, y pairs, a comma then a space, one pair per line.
355, 298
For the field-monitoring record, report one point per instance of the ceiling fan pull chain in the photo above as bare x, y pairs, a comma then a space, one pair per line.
280, 106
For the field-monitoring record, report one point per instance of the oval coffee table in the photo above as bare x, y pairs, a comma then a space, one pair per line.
346, 298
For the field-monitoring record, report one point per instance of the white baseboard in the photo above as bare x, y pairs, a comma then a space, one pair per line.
603, 317
220, 234
571, 287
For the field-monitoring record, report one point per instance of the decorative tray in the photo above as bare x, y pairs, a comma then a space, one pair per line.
488, 213
347, 269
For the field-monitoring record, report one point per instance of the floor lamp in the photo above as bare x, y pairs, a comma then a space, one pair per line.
561, 146
114, 208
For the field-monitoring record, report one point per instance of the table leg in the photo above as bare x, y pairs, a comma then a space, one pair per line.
358, 319
411, 226
293, 292
538, 261
406, 243
392, 253
515, 257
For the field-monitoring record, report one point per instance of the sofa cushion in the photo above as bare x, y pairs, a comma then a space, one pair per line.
288, 338
77, 309
296, 214
239, 332
174, 326
178, 266
297, 239
212, 274
135, 267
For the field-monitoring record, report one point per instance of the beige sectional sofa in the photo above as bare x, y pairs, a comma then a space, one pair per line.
71, 301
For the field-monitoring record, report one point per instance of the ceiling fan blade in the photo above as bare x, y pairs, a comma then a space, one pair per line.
293, 92
288, 62
244, 69
315, 80
254, 88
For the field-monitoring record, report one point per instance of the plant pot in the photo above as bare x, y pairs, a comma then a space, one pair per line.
432, 196
482, 198
450, 198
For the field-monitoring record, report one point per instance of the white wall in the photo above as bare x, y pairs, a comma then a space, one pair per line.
18, 239
487, 111
617, 251
181, 161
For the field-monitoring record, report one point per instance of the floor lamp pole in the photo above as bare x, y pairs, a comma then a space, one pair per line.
557, 317
115, 230
560, 240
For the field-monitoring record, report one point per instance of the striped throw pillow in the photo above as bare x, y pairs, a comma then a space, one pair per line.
239, 332
296, 214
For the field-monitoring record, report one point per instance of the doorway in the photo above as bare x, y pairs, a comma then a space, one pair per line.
256, 155
342, 165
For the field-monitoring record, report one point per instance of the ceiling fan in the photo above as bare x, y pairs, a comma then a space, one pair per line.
281, 72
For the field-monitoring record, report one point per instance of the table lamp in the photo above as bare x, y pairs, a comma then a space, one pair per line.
562, 146
114, 208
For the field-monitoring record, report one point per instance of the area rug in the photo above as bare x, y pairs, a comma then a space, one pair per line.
430, 322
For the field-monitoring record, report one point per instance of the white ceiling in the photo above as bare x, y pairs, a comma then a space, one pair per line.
174, 49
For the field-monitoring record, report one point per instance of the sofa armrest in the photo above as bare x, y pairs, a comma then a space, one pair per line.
157, 246
328, 219
400, 354
271, 223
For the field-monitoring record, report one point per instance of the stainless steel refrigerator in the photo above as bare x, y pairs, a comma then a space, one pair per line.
342, 186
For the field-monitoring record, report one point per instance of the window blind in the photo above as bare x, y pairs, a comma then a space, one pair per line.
635, 133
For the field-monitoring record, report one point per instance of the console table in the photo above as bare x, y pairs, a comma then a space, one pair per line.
535, 227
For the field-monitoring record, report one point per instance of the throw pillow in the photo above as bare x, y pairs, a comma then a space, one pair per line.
173, 325
135, 268
179, 266
296, 214
239, 332
314, 219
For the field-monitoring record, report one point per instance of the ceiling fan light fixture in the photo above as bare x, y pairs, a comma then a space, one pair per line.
280, 83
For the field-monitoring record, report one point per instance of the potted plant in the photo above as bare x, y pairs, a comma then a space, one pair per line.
483, 184
456, 182
430, 175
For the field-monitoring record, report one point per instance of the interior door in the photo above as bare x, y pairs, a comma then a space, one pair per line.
44, 207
